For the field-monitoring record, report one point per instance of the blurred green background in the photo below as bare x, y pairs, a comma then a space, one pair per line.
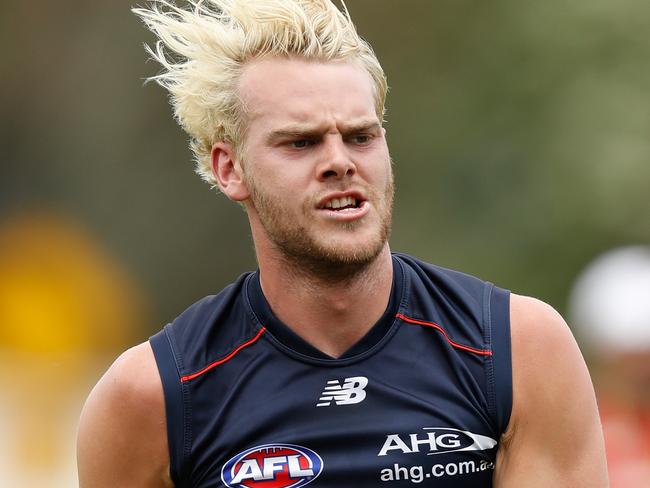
519, 130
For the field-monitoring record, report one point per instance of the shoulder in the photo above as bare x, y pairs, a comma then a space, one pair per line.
432, 271
133, 378
426, 281
546, 359
122, 438
544, 353
537, 328
554, 423
193, 330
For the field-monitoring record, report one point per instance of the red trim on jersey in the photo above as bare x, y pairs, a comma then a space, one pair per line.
482, 352
223, 360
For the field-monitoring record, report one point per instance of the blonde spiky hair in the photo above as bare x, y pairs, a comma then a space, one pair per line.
204, 48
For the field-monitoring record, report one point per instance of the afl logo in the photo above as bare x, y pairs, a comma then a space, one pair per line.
272, 466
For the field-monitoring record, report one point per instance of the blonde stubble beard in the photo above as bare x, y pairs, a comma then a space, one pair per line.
304, 254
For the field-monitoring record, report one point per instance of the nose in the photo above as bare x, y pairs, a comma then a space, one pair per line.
336, 162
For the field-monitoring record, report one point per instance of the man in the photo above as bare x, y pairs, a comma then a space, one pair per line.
337, 363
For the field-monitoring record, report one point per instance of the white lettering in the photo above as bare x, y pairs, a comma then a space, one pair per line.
248, 471
295, 471
352, 391
400, 471
354, 388
394, 443
437, 440
430, 440
386, 474
417, 474
451, 469
452, 443
273, 464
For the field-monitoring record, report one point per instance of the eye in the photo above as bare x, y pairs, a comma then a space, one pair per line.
361, 139
301, 143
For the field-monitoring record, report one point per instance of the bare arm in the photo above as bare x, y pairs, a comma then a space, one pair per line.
554, 437
122, 438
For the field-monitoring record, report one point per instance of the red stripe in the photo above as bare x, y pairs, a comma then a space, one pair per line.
482, 352
223, 360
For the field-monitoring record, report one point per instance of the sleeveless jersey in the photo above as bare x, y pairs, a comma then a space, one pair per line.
422, 398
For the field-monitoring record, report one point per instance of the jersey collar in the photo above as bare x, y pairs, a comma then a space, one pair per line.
290, 339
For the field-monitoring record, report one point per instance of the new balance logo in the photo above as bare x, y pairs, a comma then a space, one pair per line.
352, 391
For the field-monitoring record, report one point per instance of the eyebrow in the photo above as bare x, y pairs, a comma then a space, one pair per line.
304, 130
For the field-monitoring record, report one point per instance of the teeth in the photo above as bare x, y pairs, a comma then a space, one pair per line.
336, 203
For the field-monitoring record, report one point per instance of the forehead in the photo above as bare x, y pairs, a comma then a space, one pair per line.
284, 90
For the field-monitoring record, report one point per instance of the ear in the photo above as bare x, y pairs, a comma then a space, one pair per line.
228, 172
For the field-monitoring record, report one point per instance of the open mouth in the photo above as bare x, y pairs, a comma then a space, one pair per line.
344, 203
345, 206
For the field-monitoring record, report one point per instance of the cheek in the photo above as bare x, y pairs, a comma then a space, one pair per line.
274, 172
280, 191
382, 172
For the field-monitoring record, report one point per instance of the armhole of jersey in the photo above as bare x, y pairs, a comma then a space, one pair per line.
500, 369
176, 405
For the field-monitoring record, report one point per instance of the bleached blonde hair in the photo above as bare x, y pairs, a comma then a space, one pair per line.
204, 47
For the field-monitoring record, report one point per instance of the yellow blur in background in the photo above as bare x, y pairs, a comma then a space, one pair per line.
65, 307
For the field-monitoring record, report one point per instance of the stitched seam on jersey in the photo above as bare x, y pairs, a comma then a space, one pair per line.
186, 468
457, 345
226, 358
489, 364
406, 289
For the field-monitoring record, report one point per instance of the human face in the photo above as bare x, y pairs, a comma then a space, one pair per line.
316, 162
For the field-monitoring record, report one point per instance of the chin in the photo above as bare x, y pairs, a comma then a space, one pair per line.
334, 258
327, 251
352, 255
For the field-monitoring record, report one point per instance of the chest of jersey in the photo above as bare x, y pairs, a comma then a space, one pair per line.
400, 417
422, 399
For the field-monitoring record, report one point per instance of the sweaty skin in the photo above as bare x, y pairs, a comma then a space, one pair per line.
312, 136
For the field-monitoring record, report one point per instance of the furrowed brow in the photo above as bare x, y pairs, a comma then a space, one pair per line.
312, 132
293, 132
364, 126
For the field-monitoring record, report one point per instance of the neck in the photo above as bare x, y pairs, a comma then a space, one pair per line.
332, 311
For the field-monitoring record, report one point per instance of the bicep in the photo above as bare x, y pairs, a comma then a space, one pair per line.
122, 434
554, 437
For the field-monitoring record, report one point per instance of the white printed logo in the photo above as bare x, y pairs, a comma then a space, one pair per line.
436, 440
277, 465
352, 391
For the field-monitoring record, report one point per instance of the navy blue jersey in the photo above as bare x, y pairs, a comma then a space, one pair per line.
422, 398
